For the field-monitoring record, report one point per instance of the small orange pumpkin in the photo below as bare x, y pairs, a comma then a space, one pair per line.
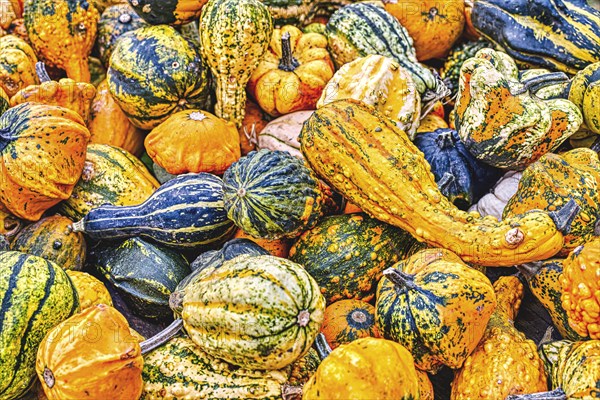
348, 320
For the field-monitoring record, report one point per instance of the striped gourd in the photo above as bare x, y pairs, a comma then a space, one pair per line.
562, 35
360, 29
180, 369
36, 295
155, 72
169, 12
185, 212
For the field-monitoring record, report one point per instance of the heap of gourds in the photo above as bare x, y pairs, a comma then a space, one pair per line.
308, 191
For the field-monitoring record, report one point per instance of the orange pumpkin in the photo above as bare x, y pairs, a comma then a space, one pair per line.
194, 141
277, 247
253, 123
348, 320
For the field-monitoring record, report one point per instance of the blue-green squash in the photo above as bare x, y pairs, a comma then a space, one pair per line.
272, 194
36, 295
185, 212
144, 274
168, 12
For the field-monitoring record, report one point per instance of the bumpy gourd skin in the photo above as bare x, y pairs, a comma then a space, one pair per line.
585, 93
63, 33
504, 362
581, 288
17, 65
364, 156
90, 290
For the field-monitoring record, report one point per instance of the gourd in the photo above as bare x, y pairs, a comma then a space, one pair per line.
282, 133
17, 65
292, 73
235, 35
554, 179
346, 254
9, 225
431, 122
387, 177
348, 320
194, 141
277, 247
90, 291
504, 362
36, 295
63, 34
109, 125
254, 121
304, 368
155, 72
425, 386
11, 10
433, 26
365, 368
436, 306
460, 177
52, 238
185, 212
271, 194
174, 12
381, 82
110, 176
145, 290
75, 361
4, 105
42, 152
499, 118
76, 96
585, 93
572, 26
494, 202
579, 282
450, 72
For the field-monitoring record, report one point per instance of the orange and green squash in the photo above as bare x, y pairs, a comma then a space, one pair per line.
168, 12
91, 355
292, 73
62, 33
585, 93
17, 65
450, 71
304, 368
282, 133
348, 320
90, 290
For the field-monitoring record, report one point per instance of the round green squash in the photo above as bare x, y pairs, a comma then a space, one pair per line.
115, 21
154, 72
36, 295
53, 239
346, 254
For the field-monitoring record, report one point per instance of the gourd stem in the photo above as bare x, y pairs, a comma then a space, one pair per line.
444, 183
557, 394
162, 337
78, 226
287, 62
565, 216
547, 338
289, 392
536, 83
399, 278
596, 145
40, 70
321, 346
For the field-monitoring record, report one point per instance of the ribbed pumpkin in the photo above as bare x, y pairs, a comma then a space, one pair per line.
504, 362
91, 355
170, 12
155, 72
110, 176
348, 320
109, 125
42, 152
580, 286
194, 141
90, 290
234, 34
585, 93
282, 133
292, 73
53, 239
271, 194
436, 306
434, 26
17, 65
346, 254
381, 82
63, 33
367, 368
36, 295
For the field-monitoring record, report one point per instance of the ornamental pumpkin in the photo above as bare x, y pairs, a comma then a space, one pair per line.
552, 181
62, 34
42, 155
580, 285
17, 65
585, 93
194, 141
436, 306
494, 202
109, 125
433, 25
504, 362
292, 73
499, 118
155, 72
159, 12
90, 290
234, 34
381, 82
348, 320
368, 368
76, 96
76, 361
282, 133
